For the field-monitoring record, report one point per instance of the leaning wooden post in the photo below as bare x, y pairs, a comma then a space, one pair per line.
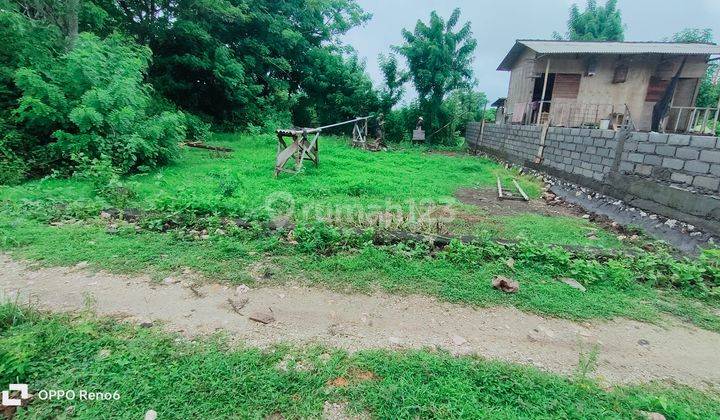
542, 97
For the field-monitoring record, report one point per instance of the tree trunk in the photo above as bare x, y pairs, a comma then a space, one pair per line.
71, 18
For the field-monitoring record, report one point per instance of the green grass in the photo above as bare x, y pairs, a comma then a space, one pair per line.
346, 177
209, 379
559, 230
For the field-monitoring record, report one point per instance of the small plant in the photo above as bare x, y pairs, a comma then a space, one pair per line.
105, 179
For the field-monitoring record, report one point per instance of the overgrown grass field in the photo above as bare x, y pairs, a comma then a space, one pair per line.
209, 379
56, 222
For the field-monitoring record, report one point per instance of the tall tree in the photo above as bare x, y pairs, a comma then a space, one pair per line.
393, 78
595, 23
709, 91
439, 57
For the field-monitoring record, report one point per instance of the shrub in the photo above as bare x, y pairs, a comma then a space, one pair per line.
92, 101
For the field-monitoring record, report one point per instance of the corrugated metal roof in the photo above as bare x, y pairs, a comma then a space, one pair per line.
605, 47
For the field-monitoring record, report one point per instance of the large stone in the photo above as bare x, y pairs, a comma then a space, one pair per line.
573, 283
505, 284
262, 317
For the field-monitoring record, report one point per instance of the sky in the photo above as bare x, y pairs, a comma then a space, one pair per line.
496, 24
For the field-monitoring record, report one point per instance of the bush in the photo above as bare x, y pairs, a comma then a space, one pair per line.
92, 101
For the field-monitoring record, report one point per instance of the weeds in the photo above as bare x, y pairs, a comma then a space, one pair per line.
154, 370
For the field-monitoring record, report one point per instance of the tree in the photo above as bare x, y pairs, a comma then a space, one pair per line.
595, 23
709, 91
439, 58
393, 79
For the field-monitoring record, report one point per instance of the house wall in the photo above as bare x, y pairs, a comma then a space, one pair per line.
675, 175
599, 89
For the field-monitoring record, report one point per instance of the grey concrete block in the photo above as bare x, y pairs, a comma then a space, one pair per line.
703, 141
636, 157
643, 169
631, 145
712, 156
715, 170
711, 183
627, 167
595, 159
654, 160
607, 161
687, 153
665, 150
681, 177
673, 163
697, 166
599, 142
608, 134
596, 133
646, 147
591, 150
640, 136
658, 138
679, 140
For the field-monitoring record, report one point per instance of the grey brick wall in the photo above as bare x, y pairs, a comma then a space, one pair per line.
672, 174
683, 160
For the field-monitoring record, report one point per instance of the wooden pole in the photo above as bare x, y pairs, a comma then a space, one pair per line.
542, 98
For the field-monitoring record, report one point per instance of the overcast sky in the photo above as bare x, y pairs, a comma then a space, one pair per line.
496, 24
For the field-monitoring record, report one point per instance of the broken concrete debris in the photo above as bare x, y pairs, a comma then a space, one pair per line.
262, 317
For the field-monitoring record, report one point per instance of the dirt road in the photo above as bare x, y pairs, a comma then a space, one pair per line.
629, 351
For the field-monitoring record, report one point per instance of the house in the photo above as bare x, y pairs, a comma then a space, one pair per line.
606, 84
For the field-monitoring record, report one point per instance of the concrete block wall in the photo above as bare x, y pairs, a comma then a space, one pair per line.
675, 175
686, 161
584, 152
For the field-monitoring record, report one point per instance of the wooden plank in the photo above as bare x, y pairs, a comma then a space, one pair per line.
285, 155
499, 188
520, 190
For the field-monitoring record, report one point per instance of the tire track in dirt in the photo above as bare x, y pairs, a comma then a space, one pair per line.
628, 351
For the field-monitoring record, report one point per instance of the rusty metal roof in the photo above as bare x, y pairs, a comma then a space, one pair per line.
605, 47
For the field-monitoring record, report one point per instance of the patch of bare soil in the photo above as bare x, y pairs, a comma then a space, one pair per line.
628, 351
487, 200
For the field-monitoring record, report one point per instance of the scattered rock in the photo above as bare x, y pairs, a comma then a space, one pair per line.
573, 283
241, 290
170, 280
510, 262
105, 215
238, 303
104, 353
643, 342
458, 340
262, 317
145, 323
671, 223
505, 284
151, 415
81, 265
337, 411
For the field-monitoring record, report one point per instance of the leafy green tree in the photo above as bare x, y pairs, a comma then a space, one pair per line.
92, 102
439, 57
595, 23
465, 105
709, 92
394, 79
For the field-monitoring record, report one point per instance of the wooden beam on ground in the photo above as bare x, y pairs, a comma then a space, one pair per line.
520, 190
201, 145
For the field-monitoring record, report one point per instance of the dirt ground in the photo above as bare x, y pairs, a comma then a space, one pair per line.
628, 351
487, 201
